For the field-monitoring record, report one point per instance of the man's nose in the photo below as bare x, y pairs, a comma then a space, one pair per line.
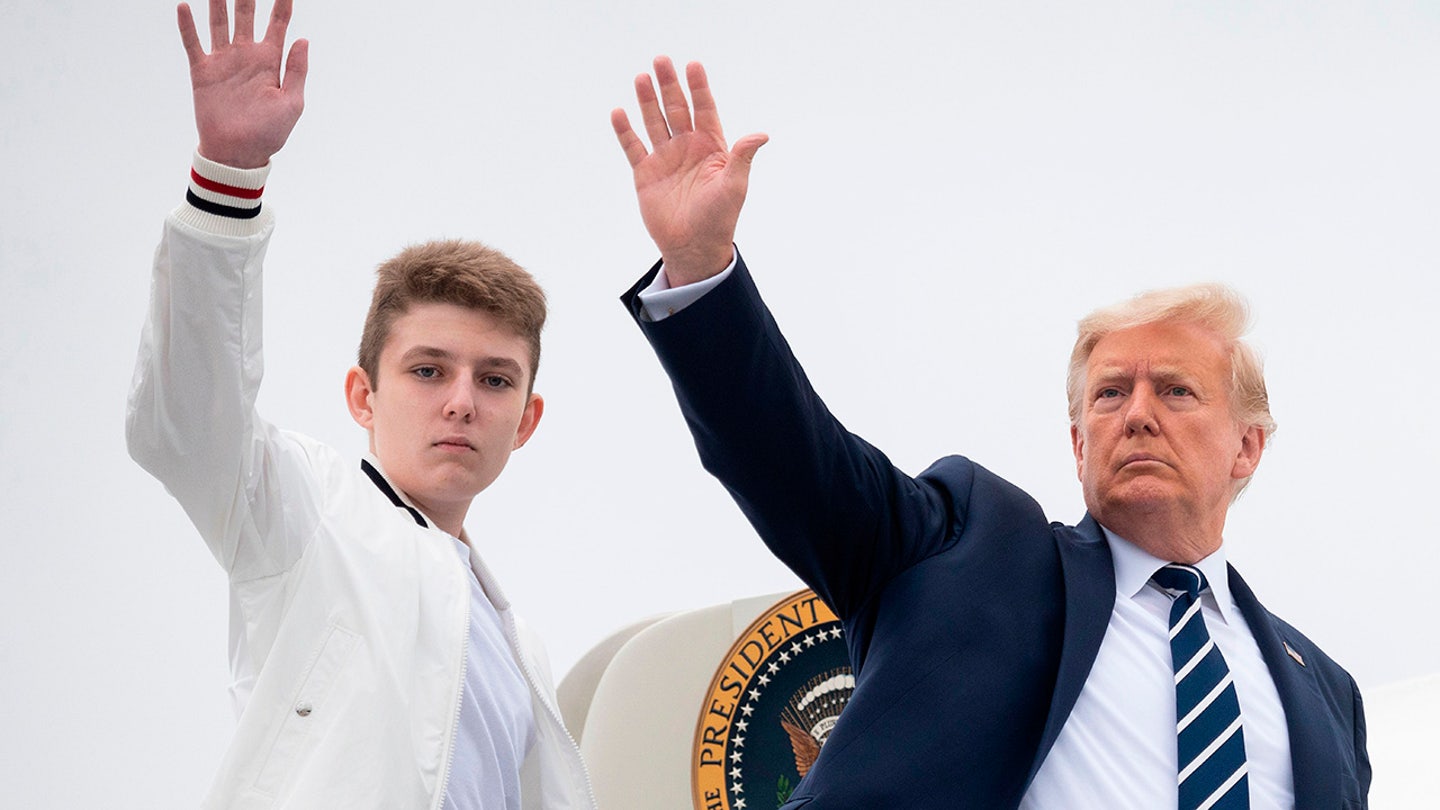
1140, 413
460, 402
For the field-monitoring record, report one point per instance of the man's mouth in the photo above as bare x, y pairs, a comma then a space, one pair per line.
1140, 458
454, 443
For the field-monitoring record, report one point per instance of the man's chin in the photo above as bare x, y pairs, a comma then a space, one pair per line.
450, 486
1135, 498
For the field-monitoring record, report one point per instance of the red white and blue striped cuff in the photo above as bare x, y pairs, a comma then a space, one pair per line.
229, 196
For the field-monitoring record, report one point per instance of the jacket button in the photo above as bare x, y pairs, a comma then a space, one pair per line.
303, 709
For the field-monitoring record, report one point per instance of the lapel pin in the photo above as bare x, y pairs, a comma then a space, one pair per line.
1291, 651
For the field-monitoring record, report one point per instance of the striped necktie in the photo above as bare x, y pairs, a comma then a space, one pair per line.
1211, 742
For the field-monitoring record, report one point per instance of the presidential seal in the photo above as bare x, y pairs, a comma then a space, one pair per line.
771, 706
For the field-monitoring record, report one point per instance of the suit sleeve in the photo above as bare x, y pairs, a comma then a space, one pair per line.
830, 506
191, 418
1362, 755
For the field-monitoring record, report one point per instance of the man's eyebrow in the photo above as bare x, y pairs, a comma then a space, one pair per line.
425, 352
501, 362
1173, 372
1159, 371
1109, 374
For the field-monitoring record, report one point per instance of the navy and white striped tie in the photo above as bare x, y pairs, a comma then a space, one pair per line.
1211, 741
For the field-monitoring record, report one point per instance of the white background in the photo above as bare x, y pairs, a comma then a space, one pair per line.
948, 187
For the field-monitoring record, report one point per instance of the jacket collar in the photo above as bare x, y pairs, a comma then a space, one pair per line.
371, 467
488, 583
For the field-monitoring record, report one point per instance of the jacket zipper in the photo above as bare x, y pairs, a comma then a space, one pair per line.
378, 479
530, 680
455, 716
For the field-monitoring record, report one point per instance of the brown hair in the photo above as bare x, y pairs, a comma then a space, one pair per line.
453, 271
1214, 307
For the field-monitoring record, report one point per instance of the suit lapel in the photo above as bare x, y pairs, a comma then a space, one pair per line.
1315, 760
1089, 575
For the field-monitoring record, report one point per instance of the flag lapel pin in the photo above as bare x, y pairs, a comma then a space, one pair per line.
1291, 652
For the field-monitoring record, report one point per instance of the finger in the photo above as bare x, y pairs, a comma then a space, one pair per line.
629, 142
279, 22
707, 118
650, 113
244, 21
677, 109
189, 37
219, 25
297, 65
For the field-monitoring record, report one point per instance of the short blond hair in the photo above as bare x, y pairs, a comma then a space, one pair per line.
1213, 307
459, 272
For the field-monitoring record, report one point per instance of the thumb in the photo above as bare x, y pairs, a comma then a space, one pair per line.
744, 149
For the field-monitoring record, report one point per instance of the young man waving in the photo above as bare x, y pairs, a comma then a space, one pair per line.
377, 663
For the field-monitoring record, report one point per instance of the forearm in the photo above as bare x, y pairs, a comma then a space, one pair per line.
190, 420
829, 504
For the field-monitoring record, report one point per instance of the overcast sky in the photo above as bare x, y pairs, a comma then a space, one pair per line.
948, 187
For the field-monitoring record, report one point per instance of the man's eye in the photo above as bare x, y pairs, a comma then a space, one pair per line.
427, 372
494, 381
1108, 393
1179, 391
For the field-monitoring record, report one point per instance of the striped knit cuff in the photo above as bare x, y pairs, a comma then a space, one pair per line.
223, 199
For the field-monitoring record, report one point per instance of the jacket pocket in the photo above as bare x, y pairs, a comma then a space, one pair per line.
306, 710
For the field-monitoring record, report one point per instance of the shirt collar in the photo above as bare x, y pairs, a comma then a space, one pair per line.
1134, 567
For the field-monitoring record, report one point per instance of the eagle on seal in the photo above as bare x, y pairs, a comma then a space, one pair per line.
812, 712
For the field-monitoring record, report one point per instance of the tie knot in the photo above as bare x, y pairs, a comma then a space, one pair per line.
1179, 579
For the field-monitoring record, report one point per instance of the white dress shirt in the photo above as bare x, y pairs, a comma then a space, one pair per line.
497, 720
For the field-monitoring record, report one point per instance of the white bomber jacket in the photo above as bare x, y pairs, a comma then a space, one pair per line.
349, 620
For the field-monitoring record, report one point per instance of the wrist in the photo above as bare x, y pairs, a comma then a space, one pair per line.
684, 267
234, 157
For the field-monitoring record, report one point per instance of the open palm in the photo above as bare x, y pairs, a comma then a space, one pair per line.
243, 111
690, 185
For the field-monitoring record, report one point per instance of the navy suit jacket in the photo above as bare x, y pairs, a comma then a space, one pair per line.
972, 621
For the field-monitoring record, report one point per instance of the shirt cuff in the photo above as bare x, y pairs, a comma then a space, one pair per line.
223, 199
659, 300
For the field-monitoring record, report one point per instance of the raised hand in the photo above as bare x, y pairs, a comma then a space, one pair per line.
691, 186
243, 110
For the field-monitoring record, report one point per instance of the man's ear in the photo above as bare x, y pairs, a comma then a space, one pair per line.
1252, 445
1077, 443
534, 409
357, 397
